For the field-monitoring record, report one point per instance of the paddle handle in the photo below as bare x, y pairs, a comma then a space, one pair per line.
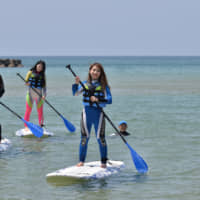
105, 115
69, 67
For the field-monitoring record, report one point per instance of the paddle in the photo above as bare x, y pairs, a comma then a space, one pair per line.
140, 164
35, 129
69, 125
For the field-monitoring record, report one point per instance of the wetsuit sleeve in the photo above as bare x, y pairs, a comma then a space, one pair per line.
108, 96
28, 76
76, 89
2, 90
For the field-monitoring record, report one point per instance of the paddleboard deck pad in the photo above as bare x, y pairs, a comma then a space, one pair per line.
5, 144
27, 133
90, 170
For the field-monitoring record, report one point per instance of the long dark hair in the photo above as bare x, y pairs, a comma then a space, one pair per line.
102, 79
44, 67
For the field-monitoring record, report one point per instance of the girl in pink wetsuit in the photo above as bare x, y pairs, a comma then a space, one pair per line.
36, 80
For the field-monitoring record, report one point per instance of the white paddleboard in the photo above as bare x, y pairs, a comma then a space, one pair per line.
24, 133
90, 170
5, 144
112, 135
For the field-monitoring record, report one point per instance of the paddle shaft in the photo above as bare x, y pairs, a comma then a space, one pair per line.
10, 110
105, 115
36, 130
39, 95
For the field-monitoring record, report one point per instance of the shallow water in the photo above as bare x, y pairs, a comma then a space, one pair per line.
157, 96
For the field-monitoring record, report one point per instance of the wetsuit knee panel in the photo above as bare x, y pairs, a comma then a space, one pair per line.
102, 140
84, 141
40, 103
28, 100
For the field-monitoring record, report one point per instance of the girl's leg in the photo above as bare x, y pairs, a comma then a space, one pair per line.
100, 134
40, 112
83, 149
29, 106
85, 135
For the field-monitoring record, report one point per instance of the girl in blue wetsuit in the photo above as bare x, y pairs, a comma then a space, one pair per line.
96, 90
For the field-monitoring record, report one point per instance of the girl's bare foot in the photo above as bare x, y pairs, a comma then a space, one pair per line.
80, 164
103, 165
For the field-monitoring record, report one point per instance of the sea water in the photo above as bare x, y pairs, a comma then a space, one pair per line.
157, 96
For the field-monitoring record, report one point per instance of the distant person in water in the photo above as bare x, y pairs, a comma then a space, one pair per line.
122, 129
2, 90
36, 80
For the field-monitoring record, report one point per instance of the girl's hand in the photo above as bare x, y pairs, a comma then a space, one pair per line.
77, 79
43, 97
94, 99
27, 84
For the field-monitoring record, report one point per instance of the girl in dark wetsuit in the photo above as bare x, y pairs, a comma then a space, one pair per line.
2, 90
97, 90
36, 79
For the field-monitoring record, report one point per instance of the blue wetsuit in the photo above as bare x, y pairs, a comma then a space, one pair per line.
92, 115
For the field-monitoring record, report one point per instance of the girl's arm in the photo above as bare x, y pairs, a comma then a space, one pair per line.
108, 96
76, 88
28, 76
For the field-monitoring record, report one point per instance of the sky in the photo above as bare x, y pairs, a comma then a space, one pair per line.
99, 27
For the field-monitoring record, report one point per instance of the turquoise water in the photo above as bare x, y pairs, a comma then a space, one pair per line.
157, 96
